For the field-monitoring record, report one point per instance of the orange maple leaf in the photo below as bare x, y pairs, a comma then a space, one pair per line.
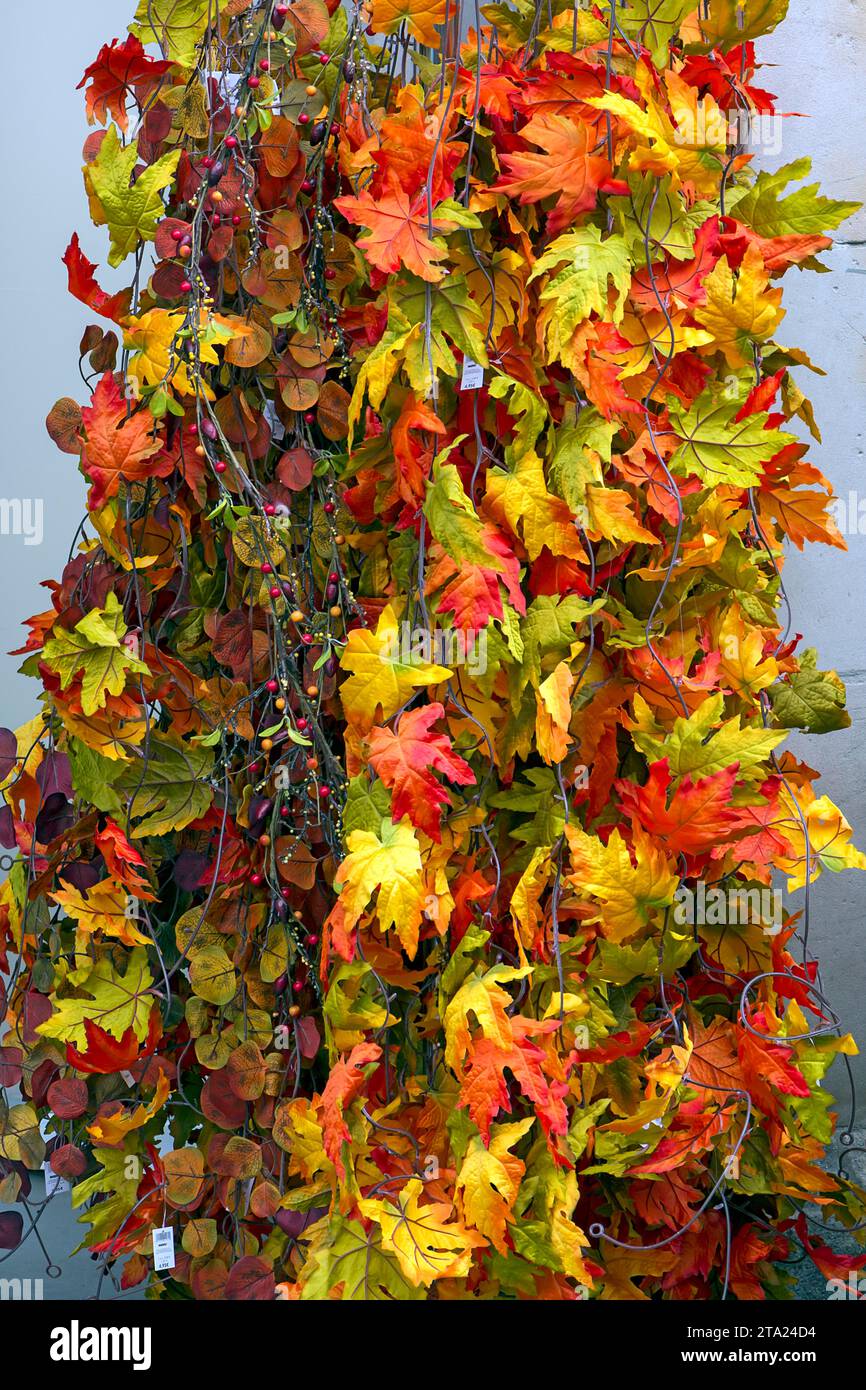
399, 232
406, 760
118, 449
567, 170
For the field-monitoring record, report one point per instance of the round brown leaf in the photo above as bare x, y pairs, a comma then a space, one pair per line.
251, 1280
64, 425
333, 411
245, 1070
184, 1173
68, 1099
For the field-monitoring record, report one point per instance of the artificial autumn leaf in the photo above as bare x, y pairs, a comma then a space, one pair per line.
628, 893
389, 862
489, 1181
719, 447
427, 1242
406, 759
94, 651
177, 25
568, 169
105, 909
118, 447
119, 70
741, 311
700, 813
83, 285
115, 1003
422, 18
381, 678
400, 232
131, 214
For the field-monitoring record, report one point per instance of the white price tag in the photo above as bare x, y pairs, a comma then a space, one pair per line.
128, 1078
473, 375
54, 1184
163, 1248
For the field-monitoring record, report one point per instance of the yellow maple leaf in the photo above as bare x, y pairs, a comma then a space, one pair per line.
744, 666
489, 1180
421, 18
522, 501
829, 834
102, 909
427, 1243
150, 338
526, 898
627, 893
384, 673
553, 714
389, 862
611, 515
482, 997
111, 1130
741, 309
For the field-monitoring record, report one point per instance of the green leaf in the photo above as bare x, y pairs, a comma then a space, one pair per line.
810, 699
803, 213
581, 287
349, 1263
130, 212
115, 1002
170, 788
94, 649
367, 805
178, 26
732, 22
694, 749
655, 23
212, 975
719, 449
453, 519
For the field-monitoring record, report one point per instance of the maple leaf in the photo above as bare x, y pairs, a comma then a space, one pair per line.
489, 1180
740, 311
344, 1260
171, 788
700, 814
567, 169
131, 211
111, 78
103, 908
718, 447
110, 1130
427, 1242
119, 447
115, 1003
482, 997
484, 1088
522, 500
553, 714
82, 284
344, 1083
585, 265
629, 893
421, 17
454, 521
176, 25
405, 761
381, 680
151, 339
399, 232
389, 862
95, 651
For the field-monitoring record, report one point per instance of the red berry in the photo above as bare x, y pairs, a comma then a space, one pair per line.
217, 220
302, 724
333, 577
312, 939
310, 417
307, 639
308, 185
231, 142
285, 812
176, 234
330, 273
185, 286
208, 162
254, 82
303, 119
329, 509
298, 986
282, 10
270, 509
276, 591
267, 568
272, 686
265, 65
256, 880
220, 467
324, 59
324, 791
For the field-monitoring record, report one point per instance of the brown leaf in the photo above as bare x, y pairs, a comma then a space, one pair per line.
64, 425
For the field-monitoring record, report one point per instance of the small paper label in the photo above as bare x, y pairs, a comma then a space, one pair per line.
128, 1078
473, 375
54, 1184
163, 1248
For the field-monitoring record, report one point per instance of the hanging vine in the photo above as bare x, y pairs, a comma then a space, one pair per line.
395, 905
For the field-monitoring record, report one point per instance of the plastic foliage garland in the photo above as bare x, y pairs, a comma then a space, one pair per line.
397, 903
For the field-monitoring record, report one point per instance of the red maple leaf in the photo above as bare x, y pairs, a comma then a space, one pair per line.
700, 814
406, 760
119, 71
83, 285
